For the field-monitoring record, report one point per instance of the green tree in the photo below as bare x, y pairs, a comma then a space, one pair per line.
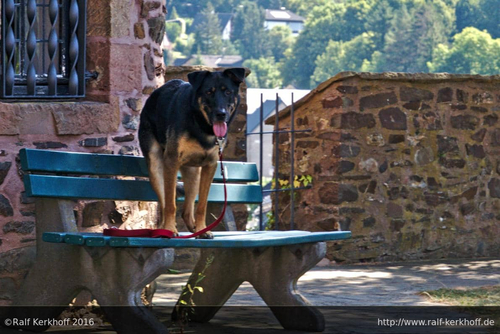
482, 14
248, 34
324, 24
343, 56
264, 73
472, 51
207, 35
280, 39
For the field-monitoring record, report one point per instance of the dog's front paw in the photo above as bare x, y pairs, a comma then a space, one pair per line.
206, 235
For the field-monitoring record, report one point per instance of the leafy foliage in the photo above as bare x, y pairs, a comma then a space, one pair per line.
472, 51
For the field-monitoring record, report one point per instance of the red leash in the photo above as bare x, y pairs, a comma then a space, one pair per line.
162, 233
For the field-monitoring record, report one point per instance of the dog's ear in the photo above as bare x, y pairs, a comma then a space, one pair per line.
196, 79
236, 74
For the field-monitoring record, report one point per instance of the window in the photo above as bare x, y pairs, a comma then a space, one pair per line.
43, 48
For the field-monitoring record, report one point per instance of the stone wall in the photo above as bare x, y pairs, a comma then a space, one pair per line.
124, 50
409, 163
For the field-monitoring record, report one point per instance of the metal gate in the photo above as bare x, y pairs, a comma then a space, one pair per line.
275, 192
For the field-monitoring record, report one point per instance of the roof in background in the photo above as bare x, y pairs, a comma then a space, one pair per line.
283, 15
268, 109
211, 61
268, 96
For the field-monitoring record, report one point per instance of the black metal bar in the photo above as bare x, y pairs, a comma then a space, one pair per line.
261, 161
292, 167
285, 189
43, 45
273, 132
276, 165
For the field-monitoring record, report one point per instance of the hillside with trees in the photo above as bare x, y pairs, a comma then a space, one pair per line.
455, 36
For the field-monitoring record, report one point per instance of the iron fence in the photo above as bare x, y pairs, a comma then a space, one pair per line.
43, 48
277, 189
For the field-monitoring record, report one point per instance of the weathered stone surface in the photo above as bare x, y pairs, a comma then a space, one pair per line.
353, 120
482, 98
369, 222
49, 145
394, 210
22, 227
348, 151
328, 224
345, 166
412, 94
479, 109
467, 208
131, 122
347, 89
120, 18
435, 198
452, 163
396, 139
332, 136
17, 259
476, 151
4, 170
335, 193
370, 165
129, 150
98, 18
332, 102
351, 211
416, 105
445, 95
134, 104
495, 137
464, 122
494, 187
447, 144
139, 31
377, 100
368, 187
375, 139
6, 209
25, 199
148, 7
87, 118
462, 96
479, 136
92, 214
8, 288
310, 144
94, 142
383, 167
397, 225
490, 120
125, 138
149, 65
125, 67
393, 119
157, 28
458, 106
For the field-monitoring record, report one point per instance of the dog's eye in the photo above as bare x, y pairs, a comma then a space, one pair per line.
209, 92
227, 92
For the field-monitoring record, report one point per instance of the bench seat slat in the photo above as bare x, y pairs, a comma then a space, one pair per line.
132, 190
221, 239
44, 161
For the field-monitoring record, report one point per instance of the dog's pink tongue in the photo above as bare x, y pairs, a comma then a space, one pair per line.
220, 129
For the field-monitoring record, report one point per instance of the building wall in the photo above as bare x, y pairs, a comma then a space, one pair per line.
408, 163
124, 41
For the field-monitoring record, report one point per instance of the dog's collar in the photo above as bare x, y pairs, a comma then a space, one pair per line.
220, 141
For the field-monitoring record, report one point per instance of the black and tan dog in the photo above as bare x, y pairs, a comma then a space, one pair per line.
179, 127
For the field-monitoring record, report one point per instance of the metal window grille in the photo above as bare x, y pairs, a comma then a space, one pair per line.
43, 48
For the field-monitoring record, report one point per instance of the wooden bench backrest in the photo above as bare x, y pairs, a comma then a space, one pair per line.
91, 176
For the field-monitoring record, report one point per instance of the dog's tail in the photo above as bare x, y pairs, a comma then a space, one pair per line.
179, 189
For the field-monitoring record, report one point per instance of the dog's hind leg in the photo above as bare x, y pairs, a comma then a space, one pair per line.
154, 158
191, 178
170, 169
207, 175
